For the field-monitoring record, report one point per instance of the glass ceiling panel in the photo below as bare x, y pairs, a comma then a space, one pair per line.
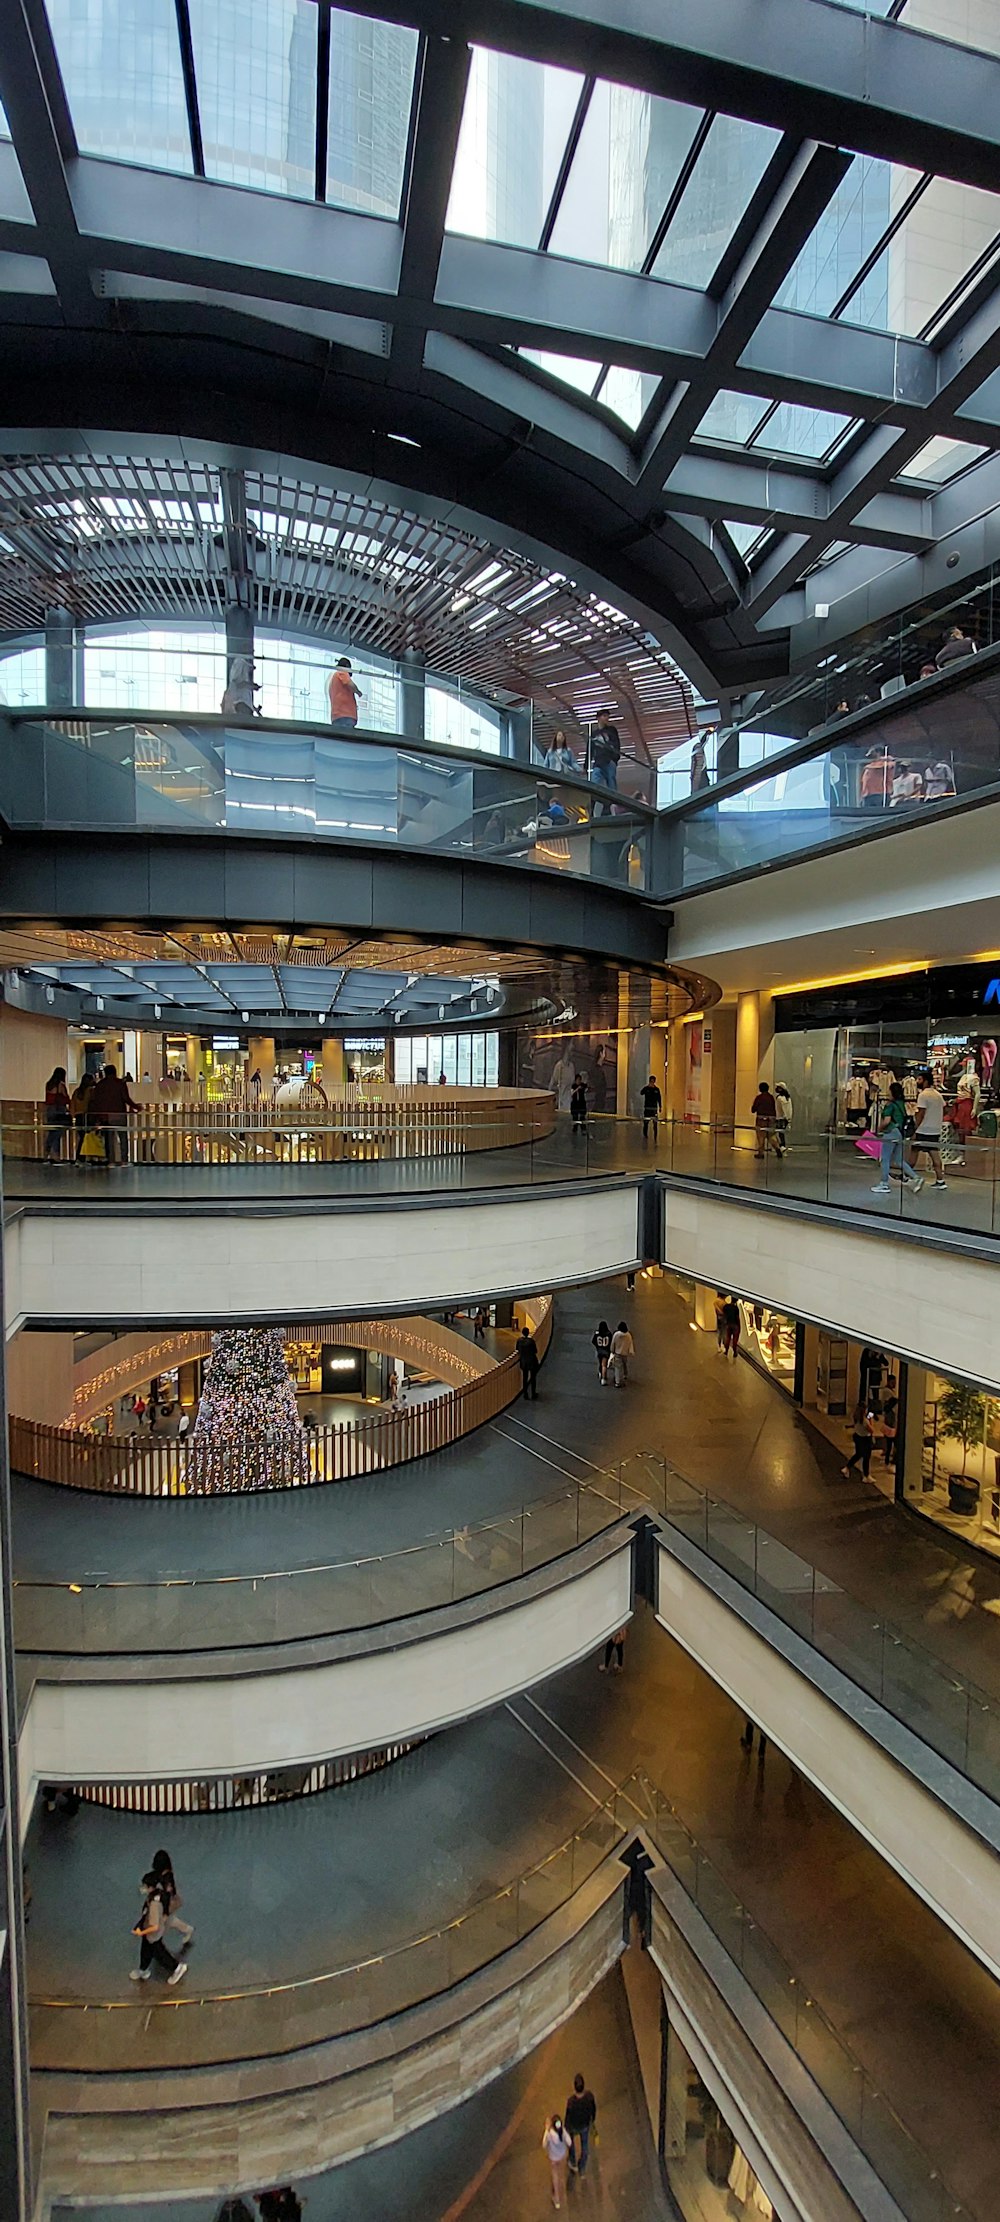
631, 151
941, 459
572, 369
628, 393
851, 225
725, 177
732, 418
4, 125
121, 66
372, 67
515, 126
256, 74
945, 233
794, 430
743, 537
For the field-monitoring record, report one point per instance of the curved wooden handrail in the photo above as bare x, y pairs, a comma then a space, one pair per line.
358, 1121
150, 1466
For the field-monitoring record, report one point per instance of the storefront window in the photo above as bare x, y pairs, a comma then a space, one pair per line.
470, 1060
769, 1338
709, 2175
956, 1478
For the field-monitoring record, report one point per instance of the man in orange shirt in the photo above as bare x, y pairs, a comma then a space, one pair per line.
344, 697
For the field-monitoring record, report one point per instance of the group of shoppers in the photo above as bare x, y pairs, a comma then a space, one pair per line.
95, 1115
890, 784
566, 2138
727, 1324
875, 1413
160, 1912
614, 1349
922, 1130
771, 1112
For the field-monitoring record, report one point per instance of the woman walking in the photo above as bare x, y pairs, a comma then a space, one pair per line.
56, 1114
892, 1127
557, 2148
163, 1869
863, 1430
602, 1345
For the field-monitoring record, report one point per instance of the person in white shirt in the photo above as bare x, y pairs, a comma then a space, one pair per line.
928, 1127
557, 2148
622, 1349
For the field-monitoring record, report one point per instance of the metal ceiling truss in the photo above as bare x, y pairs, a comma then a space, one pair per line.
388, 348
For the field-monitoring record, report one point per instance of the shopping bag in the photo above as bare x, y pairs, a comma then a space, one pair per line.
92, 1147
868, 1144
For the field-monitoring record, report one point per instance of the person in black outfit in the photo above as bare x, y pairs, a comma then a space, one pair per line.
605, 750
528, 1360
602, 1344
579, 2118
652, 1105
578, 1104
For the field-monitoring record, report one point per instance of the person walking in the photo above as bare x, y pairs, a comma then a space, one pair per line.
622, 1349
56, 1114
890, 1423
345, 694
605, 753
578, 1105
863, 1431
110, 1104
557, 2148
163, 1869
719, 1302
149, 1929
580, 2116
764, 1113
699, 769
559, 757
928, 1127
79, 1108
731, 1324
528, 1360
892, 1127
747, 1739
602, 1344
652, 1105
613, 1661
956, 646
480, 1323
783, 1114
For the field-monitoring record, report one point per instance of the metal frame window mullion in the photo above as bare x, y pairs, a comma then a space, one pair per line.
186, 43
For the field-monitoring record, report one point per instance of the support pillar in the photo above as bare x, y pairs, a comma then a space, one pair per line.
519, 735
413, 691
60, 659
334, 1061
260, 1059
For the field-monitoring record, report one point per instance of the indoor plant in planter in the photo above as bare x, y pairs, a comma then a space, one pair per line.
962, 1419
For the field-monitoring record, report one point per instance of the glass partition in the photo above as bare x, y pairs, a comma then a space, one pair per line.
264, 778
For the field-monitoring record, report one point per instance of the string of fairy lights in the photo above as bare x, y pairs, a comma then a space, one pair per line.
248, 1434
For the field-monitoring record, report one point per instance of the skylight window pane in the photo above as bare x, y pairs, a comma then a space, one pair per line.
121, 66
725, 177
850, 226
256, 75
945, 233
4, 125
628, 393
795, 430
372, 67
572, 369
743, 537
631, 150
515, 125
941, 459
731, 418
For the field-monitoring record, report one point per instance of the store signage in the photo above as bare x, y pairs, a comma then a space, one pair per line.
992, 994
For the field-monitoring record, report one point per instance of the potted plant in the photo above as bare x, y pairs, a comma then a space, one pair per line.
962, 1418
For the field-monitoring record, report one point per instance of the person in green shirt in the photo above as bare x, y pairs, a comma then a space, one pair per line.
892, 1128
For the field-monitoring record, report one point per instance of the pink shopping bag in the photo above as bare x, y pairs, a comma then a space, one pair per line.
868, 1144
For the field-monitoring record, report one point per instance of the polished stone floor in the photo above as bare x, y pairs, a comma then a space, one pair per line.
818, 1168
483, 2162
734, 1432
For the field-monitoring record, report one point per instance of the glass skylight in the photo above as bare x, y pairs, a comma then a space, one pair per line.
944, 235
632, 148
515, 125
794, 430
732, 418
372, 68
574, 370
941, 459
256, 75
121, 67
725, 177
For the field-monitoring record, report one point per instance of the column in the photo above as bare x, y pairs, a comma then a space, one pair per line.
754, 1048
412, 689
60, 666
333, 1061
239, 640
260, 1059
519, 735
722, 1093
14, 2147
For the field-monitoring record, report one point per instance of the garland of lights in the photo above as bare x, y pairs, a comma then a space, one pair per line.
248, 1434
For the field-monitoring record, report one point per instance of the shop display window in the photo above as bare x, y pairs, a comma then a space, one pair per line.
956, 1480
710, 2177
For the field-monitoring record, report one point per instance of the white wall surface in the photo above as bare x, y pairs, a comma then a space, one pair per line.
927, 894
933, 1306
202, 1266
141, 1730
951, 1868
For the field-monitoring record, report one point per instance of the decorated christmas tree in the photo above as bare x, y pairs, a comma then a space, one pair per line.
247, 1434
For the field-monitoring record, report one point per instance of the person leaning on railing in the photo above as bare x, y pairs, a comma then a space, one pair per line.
110, 1104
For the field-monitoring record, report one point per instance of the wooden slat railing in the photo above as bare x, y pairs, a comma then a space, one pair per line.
151, 1466
357, 1122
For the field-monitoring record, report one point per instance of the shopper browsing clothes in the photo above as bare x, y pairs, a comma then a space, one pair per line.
928, 1127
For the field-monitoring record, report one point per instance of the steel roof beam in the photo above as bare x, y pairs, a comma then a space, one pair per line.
751, 490
35, 105
439, 101
850, 79
809, 185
